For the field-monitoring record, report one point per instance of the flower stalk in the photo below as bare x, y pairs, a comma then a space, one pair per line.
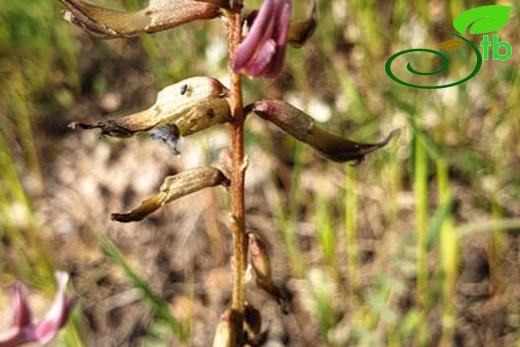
238, 163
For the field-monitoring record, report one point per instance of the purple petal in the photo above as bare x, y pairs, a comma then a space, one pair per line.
58, 314
260, 31
275, 67
13, 337
283, 21
262, 53
22, 315
261, 60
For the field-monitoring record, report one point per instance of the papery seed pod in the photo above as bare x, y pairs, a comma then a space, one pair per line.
259, 258
204, 115
190, 105
261, 264
304, 128
175, 187
225, 335
159, 15
300, 32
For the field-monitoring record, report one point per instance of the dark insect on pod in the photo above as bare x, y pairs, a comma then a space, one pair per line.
304, 128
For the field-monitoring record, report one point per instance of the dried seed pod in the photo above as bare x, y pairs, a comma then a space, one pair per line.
190, 105
300, 32
175, 187
303, 127
259, 258
159, 15
225, 335
261, 264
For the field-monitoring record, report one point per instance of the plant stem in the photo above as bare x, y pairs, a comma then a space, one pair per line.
236, 190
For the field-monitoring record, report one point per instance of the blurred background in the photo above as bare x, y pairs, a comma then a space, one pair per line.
416, 246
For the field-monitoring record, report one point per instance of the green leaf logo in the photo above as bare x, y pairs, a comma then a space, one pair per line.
482, 19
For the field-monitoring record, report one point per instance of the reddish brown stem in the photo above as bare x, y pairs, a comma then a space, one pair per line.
236, 128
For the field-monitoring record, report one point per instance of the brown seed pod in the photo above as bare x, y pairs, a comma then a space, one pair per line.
304, 128
159, 15
175, 187
259, 259
190, 105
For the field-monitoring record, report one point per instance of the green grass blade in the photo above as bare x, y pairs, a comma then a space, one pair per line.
160, 307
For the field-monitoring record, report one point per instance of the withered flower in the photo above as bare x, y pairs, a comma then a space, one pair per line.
23, 330
262, 53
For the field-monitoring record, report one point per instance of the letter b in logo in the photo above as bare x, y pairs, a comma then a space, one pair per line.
496, 45
496, 49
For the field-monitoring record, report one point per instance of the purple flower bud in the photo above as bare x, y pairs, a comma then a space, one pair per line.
23, 330
262, 53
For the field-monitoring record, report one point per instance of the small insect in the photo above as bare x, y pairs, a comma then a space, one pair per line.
184, 89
